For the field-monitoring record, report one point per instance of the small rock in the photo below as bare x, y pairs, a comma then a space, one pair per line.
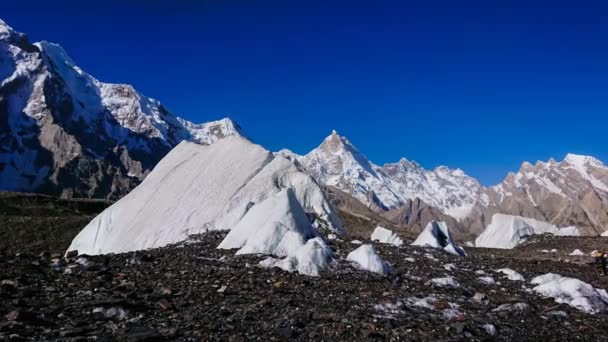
222, 289
71, 254
8, 285
490, 329
165, 304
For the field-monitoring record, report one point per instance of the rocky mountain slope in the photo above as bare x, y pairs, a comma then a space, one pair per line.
66, 133
573, 192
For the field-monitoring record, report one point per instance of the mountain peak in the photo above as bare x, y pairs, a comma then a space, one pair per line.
5, 30
577, 159
335, 143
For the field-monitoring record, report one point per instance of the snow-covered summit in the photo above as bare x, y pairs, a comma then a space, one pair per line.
5, 30
74, 135
337, 162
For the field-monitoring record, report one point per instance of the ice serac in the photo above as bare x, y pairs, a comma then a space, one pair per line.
507, 231
384, 235
437, 235
66, 133
231, 184
571, 291
366, 258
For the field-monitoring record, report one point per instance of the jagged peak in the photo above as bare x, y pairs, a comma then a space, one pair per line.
5, 30
578, 159
336, 143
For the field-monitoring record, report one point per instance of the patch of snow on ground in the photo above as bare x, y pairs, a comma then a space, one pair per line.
571, 291
511, 274
449, 267
577, 252
356, 242
366, 258
487, 280
449, 310
384, 235
512, 307
410, 259
445, 282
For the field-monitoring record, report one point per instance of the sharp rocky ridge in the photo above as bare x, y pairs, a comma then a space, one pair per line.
64, 132
573, 192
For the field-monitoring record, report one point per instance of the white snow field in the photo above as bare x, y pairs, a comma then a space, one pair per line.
437, 235
507, 231
384, 235
273, 206
366, 258
571, 291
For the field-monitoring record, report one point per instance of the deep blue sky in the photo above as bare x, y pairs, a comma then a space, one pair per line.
480, 85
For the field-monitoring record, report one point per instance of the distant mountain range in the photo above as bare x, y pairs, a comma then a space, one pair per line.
571, 192
64, 132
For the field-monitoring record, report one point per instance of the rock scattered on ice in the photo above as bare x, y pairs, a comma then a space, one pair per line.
507, 231
511, 274
384, 235
445, 282
571, 291
366, 258
577, 252
437, 235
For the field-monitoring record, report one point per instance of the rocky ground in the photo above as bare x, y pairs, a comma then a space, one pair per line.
38, 223
194, 292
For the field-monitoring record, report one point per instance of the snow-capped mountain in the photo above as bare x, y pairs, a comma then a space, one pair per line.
338, 163
64, 132
571, 192
452, 191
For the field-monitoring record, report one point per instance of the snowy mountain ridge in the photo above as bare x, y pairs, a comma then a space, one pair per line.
566, 193
66, 133
338, 163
